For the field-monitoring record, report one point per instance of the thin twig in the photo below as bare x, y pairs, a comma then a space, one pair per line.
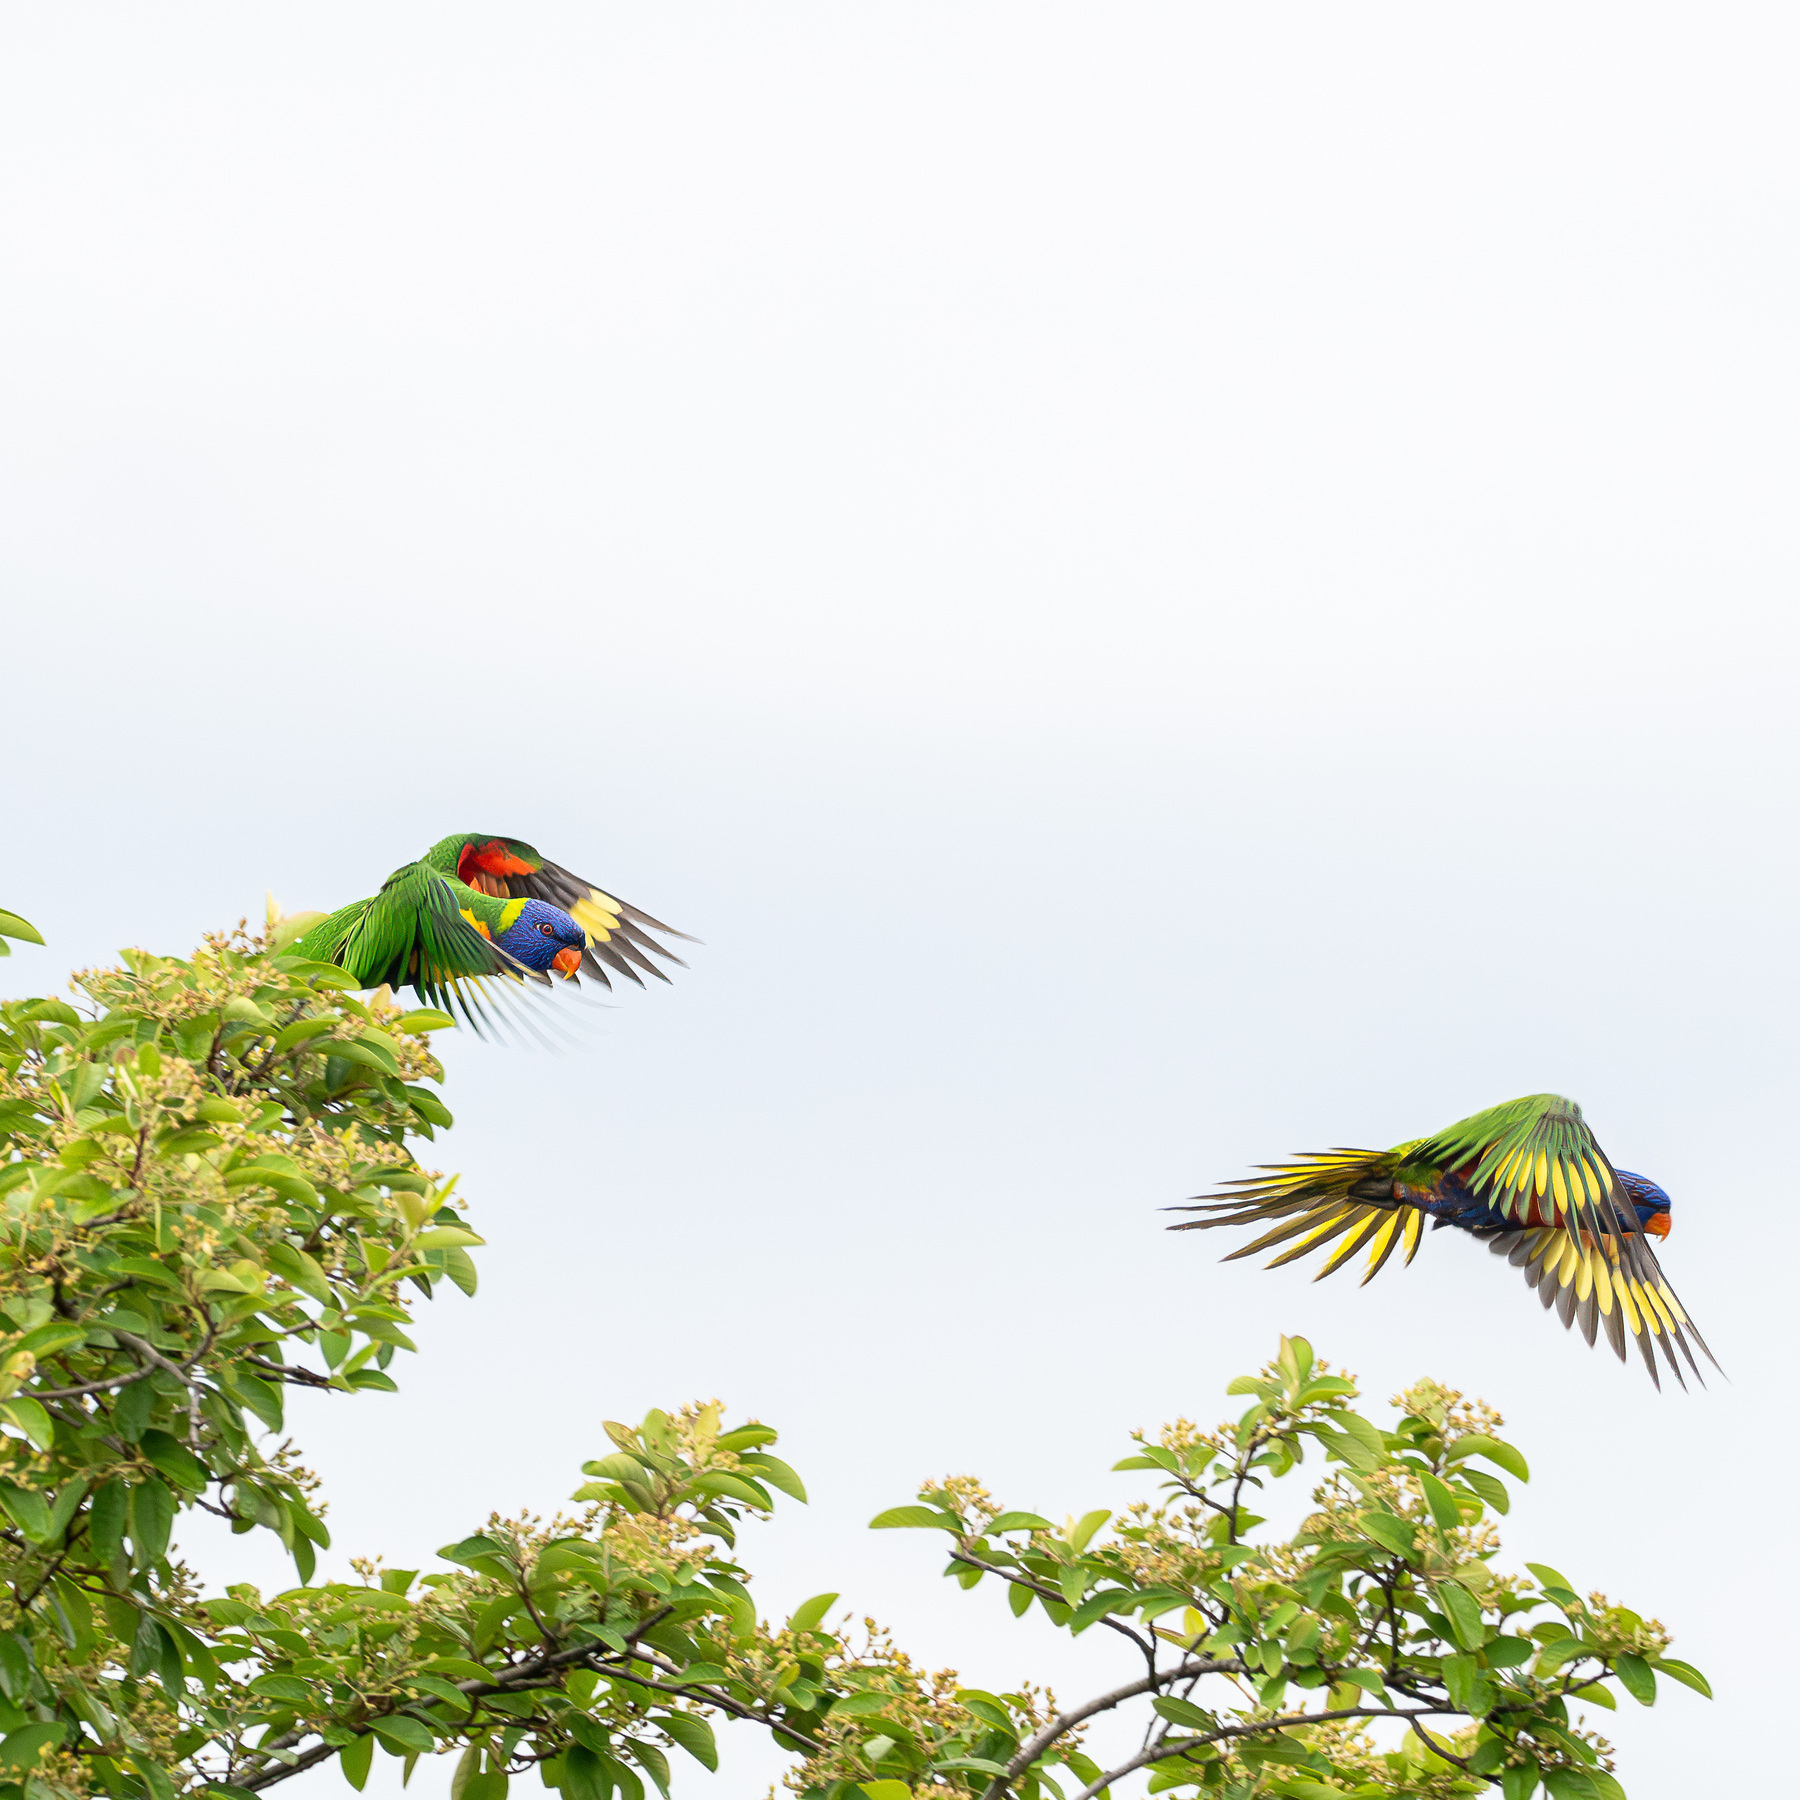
1049, 1593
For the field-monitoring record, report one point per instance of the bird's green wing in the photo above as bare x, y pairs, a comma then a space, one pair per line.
619, 934
1315, 1198
1567, 1221
1536, 1159
1579, 1240
415, 932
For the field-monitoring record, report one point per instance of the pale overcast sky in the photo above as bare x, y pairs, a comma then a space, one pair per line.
1163, 584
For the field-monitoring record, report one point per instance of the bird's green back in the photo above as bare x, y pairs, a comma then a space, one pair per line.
413, 931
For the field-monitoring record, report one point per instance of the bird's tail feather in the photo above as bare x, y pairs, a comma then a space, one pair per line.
1322, 1195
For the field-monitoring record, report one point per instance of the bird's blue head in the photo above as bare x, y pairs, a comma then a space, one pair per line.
543, 937
1649, 1201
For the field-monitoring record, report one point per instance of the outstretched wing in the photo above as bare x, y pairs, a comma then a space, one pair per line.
1315, 1198
1619, 1285
1541, 1171
1527, 1175
1536, 1163
414, 933
618, 934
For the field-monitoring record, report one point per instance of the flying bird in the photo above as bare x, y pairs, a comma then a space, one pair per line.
618, 935
475, 914
1527, 1176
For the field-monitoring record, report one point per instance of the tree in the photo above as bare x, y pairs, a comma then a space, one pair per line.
208, 1195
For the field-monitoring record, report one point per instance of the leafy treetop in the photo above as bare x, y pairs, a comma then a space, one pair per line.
208, 1195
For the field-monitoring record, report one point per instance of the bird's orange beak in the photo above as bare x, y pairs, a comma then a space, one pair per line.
1657, 1225
568, 961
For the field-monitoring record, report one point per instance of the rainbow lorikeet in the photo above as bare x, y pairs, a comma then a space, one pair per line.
617, 935
449, 923
1527, 1176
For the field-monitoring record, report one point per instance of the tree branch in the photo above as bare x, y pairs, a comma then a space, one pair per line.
1035, 1746
1163, 1752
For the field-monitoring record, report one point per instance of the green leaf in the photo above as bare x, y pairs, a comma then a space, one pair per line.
1023, 1521
15, 1665
1096, 1607
1519, 1783
175, 1460
1549, 1580
1489, 1488
1463, 1612
1569, 1784
586, 1774
51, 1340
12, 926
886, 1790
1562, 1650
1509, 1652
401, 1733
1600, 1696
1637, 1677
29, 1511
21, 1749
1389, 1531
422, 1019
808, 1614
651, 1760
1441, 1502
282, 1687
468, 1766
368, 1056
914, 1518
473, 1552
316, 974
298, 1269
703, 1671
354, 1760
446, 1237
52, 1012
1082, 1534
152, 1514
1469, 1689
730, 1487
693, 1734
742, 1437
1183, 1712
460, 1267
29, 1416
429, 1107
1685, 1673
776, 1473
859, 1706
1502, 1455
302, 1029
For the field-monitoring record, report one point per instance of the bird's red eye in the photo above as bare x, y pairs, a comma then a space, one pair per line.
547, 929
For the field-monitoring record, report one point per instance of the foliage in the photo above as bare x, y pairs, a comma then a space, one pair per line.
1264, 1662
207, 1196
